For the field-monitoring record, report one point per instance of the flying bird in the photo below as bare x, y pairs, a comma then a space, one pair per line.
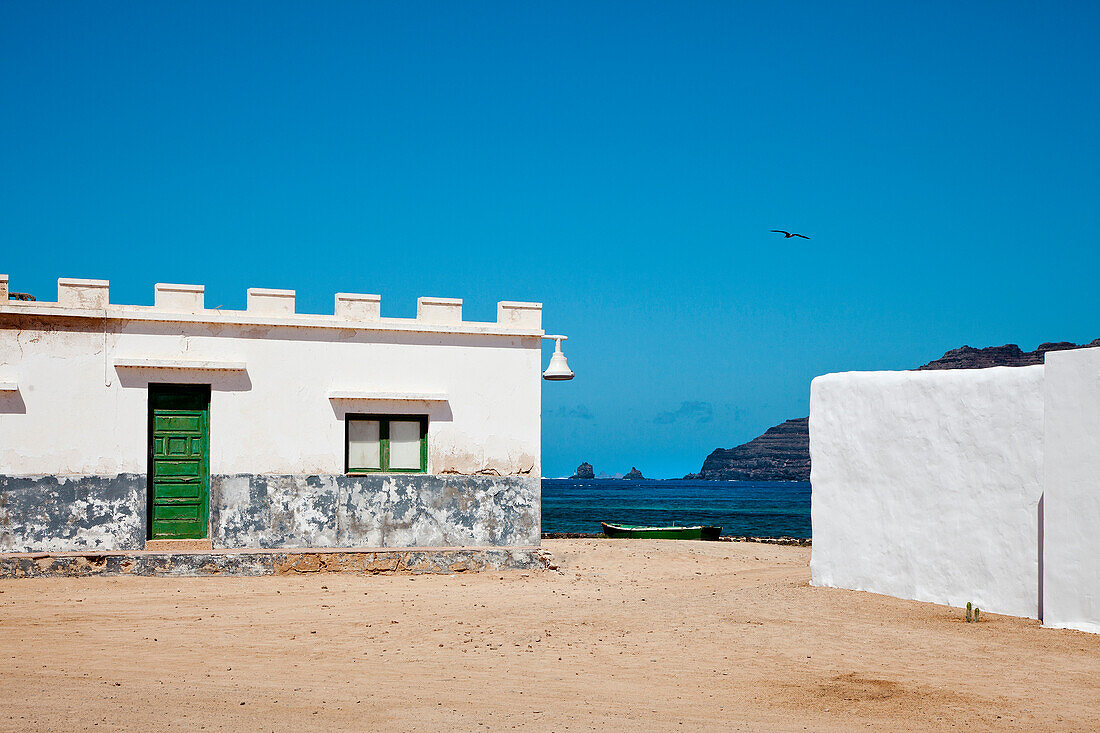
788, 235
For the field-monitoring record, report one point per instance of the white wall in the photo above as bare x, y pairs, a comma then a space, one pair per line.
926, 485
1071, 555
75, 413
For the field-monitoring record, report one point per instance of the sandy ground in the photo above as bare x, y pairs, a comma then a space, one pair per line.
629, 634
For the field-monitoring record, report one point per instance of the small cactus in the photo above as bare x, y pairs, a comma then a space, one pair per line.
976, 612
969, 612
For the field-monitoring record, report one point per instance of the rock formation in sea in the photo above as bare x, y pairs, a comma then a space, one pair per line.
634, 474
782, 453
584, 471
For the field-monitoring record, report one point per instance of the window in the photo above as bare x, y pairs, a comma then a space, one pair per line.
387, 443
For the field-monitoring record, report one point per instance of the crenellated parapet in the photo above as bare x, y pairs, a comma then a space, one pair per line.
186, 303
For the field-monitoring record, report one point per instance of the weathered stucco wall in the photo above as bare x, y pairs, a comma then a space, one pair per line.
50, 514
1071, 502
926, 485
72, 513
374, 511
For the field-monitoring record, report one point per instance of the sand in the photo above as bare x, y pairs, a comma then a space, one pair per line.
628, 634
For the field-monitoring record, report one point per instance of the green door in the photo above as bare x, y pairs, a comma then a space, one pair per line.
179, 460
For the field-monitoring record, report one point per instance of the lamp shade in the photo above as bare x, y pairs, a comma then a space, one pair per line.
559, 370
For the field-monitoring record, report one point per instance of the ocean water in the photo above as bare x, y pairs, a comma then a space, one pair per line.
754, 508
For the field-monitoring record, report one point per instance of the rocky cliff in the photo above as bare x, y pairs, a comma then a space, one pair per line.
634, 474
967, 357
782, 453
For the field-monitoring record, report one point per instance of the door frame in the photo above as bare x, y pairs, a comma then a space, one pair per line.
202, 391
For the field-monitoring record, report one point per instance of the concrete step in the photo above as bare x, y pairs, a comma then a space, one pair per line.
178, 545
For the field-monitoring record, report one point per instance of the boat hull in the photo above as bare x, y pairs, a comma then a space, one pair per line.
630, 531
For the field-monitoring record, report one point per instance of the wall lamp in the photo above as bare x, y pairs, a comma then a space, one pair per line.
559, 370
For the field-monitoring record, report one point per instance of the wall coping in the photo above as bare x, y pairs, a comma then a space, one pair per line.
79, 282
431, 300
360, 297
178, 288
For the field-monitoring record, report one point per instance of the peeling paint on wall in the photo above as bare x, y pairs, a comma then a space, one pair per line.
499, 460
40, 513
374, 511
107, 513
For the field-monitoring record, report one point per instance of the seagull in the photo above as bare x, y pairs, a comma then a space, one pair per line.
788, 235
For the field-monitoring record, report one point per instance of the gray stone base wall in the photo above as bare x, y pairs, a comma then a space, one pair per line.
379, 510
108, 513
60, 514
275, 562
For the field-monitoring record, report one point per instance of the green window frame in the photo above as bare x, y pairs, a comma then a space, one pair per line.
384, 442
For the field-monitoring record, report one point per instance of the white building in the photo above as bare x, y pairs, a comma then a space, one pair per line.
979, 485
124, 427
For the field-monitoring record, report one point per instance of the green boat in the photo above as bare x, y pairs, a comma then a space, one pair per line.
638, 532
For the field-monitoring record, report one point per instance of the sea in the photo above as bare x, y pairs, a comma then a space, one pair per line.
742, 508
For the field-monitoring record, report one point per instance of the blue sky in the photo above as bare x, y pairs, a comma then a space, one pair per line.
621, 163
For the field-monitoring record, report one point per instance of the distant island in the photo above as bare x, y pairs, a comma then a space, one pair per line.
585, 471
782, 453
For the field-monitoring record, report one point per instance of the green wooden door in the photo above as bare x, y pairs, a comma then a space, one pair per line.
179, 460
